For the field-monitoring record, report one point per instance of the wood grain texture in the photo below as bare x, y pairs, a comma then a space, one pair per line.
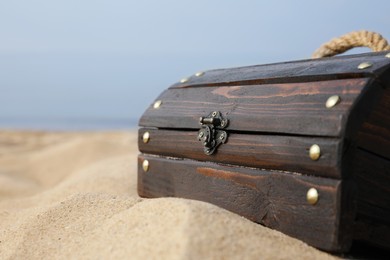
274, 199
286, 153
374, 134
371, 174
291, 108
333, 68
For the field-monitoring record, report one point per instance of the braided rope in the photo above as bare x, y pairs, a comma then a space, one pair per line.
372, 40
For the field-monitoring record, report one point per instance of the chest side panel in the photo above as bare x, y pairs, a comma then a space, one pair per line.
368, 165
371, 175
374, 134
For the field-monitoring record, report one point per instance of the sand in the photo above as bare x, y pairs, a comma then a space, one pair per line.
73, 196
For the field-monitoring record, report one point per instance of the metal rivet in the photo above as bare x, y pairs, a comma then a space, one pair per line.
157, 104
145, 165
222, 136
201, 134
364, 65
198, 74
183, 80
388, 55
332, 101
214, 113
146, 137
315, 152
312, 196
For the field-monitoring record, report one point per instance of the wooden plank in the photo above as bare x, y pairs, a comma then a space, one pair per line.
339, 67
286, 153
274, 199
372, 233
374, 134
371, 175
291, 108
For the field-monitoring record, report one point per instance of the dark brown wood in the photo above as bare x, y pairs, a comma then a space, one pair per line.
371, 174
328, 69
286, 153
294, 108
374, 135
274, 199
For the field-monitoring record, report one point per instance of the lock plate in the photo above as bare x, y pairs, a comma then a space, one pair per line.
211, 134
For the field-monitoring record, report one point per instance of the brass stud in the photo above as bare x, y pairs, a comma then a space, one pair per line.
332, 101
157, 104
315, 152
145, 165
184, 80
146, 137
388, 55
198, 74
364, 65
312, 196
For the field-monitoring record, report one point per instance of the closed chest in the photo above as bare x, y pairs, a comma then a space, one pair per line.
301, 147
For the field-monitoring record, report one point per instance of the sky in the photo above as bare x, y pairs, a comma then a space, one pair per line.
109, 60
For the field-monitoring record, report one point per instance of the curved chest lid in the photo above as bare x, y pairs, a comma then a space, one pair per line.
309, 97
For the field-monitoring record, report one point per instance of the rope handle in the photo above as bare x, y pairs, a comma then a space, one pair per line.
372, 40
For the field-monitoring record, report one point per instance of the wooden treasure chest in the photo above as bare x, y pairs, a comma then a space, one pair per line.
302, 147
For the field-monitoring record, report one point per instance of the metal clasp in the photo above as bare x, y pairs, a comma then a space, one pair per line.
211, 134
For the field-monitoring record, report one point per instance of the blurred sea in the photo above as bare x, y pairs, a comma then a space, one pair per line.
68, 124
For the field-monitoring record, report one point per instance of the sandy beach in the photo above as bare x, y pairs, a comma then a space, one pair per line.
74, 196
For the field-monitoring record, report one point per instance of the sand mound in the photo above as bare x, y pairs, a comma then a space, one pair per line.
73, 195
